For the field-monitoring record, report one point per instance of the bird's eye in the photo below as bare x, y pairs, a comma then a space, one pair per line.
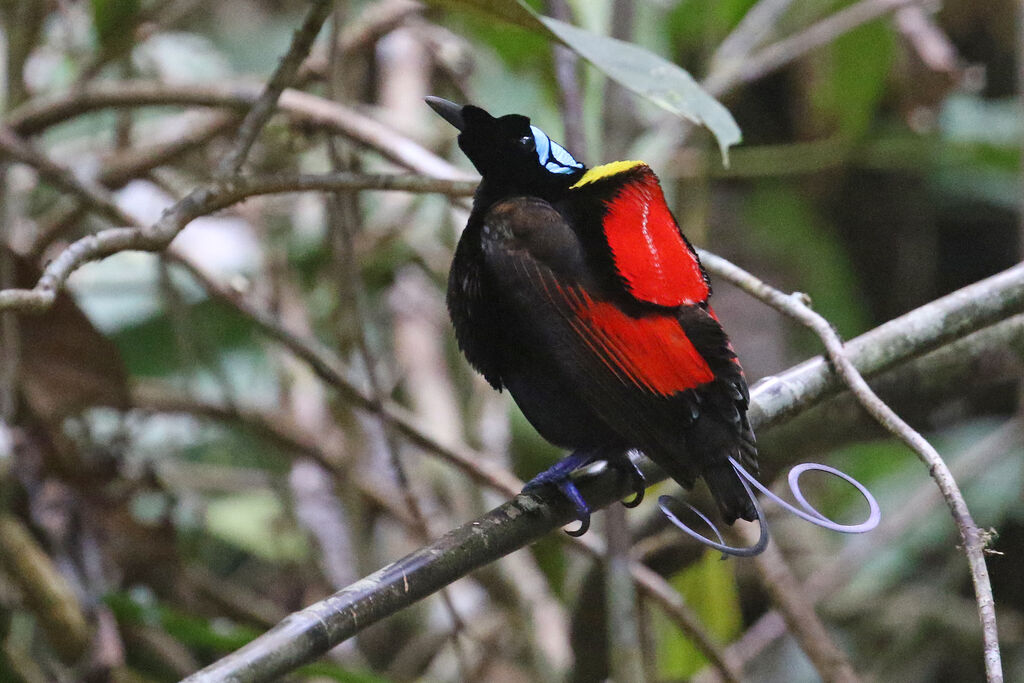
527, 143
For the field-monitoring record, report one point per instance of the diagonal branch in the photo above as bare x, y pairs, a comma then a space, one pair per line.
797, 610
96, 197
476, 466
310, 632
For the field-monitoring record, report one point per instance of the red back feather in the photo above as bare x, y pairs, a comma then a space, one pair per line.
647, 247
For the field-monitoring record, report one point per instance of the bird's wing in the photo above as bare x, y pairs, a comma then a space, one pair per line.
643, 374
621, 211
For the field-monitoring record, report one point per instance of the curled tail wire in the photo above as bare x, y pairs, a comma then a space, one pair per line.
805, 511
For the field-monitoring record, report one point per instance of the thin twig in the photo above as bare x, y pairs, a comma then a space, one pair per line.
96, 197
284, 75
973, 539
909, 336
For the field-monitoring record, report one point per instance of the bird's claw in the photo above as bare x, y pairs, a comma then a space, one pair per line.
569, 490
637, 481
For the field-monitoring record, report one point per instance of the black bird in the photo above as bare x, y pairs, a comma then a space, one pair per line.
576, 290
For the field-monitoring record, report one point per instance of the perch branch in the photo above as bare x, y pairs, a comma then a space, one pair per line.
310, 632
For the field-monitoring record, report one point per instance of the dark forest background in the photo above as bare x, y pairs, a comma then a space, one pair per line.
174, 480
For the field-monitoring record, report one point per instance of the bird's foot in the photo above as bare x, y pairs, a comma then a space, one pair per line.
559, 475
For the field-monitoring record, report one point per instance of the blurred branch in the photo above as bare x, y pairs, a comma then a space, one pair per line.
375, 20
623, 623
125, 166
202, 201
658, 590
44, 588
303, 108
932, 45
328, 368
570, 92
263, 107
13, 146
973, 539
797, 609
129, 164
274, 427
310, 632
736, 72
752, 30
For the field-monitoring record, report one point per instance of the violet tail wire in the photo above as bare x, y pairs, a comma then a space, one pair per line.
762, 542
809, 512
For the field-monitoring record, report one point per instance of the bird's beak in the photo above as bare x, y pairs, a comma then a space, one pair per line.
449, 111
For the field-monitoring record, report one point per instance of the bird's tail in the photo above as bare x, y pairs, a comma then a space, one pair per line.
728, 491
717, 441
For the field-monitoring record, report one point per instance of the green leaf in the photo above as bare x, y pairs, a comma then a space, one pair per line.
256, 522
709, 587
852, 81
509, 11
115, 23
659, 80
645, 73
786, 229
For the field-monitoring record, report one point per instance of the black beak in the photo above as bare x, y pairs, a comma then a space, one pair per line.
449, 111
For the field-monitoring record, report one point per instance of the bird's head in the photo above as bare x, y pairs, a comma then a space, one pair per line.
508, 151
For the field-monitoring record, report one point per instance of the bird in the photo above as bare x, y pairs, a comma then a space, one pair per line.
575, 290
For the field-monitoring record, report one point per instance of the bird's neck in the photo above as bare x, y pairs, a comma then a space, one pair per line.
490, 191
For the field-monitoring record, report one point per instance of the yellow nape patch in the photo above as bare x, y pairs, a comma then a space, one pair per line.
607, 170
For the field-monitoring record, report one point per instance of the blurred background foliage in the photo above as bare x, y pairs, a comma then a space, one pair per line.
213, 484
